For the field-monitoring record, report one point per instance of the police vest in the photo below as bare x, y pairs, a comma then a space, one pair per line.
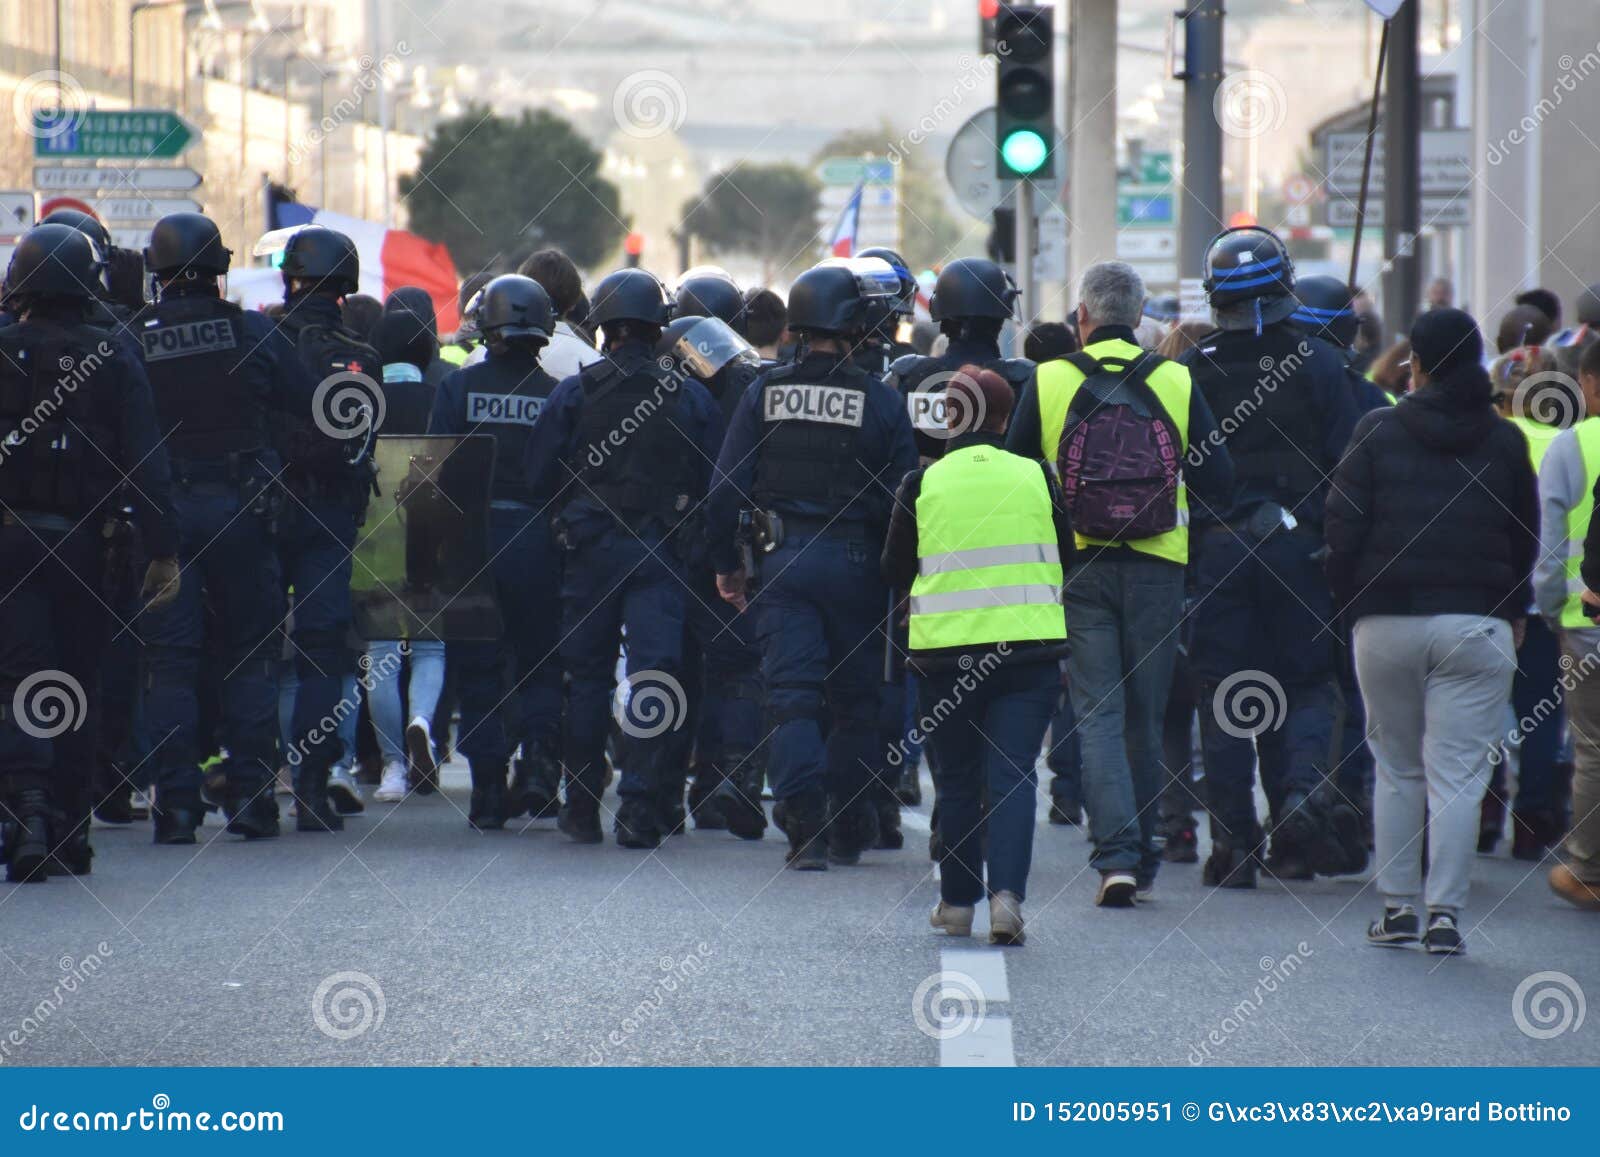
59, 439
504, 396
1058, 382
630, 450
812, 429
1539, 438
1572, 612
211, 389
988, 566
922, 380
338, 362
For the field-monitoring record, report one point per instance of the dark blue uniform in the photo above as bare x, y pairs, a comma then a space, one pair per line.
503, 396
216, 373
1262, 604
76, 419
628, 452
921, 381
824, 445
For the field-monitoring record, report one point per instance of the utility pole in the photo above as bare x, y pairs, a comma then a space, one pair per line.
1092, 137
1201, 74
1402, 173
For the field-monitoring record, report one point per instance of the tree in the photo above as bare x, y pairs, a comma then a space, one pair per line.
767, 210
930, 234
495, 188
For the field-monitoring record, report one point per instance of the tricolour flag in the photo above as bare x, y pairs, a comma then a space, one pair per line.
843, 243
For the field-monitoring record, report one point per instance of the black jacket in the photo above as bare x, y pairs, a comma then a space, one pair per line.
899, 562
1435, 508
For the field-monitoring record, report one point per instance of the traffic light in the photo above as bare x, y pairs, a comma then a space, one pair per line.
1025, 91
987, 11
633, 249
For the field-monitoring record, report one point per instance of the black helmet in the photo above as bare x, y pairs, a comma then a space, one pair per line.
89, 226
973, 287
1249, 266
706, 291
842, 295
55, 260
906, 303
186, 243
322, 255
1325, 309
631, 295
515, 306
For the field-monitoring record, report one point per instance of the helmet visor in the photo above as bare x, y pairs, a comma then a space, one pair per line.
875, 277
710, 344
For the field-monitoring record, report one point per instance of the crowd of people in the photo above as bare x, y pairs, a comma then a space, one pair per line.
732, 545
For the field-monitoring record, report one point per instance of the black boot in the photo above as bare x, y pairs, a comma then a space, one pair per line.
1229, 867
487, 810
535, 786
705, 797
72, 854
890, 837
804, 820
637, 824
669, 813
579, 819
852, 829
27, 837
178, 815
740, 798
252, 809
910, 789
117, 805
314, 811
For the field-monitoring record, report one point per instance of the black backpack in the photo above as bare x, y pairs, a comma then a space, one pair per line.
331, 352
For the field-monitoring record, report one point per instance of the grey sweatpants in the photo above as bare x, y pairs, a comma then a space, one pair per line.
1435, 687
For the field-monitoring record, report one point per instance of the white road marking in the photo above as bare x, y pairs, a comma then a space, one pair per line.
985, 1038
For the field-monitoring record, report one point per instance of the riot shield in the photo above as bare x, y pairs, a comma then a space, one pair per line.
422, 556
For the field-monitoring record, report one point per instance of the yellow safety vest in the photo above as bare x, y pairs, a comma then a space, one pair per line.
988, 566
1588, 434
1059, 380
454, 354
1539, 437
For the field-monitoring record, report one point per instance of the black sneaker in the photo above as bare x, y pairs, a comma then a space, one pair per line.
580, 824
1229, 868
1442, 938
1397, 929
636, 825
116, 808
72, 856
890, 837
1183, 847
252, 811
1065, 815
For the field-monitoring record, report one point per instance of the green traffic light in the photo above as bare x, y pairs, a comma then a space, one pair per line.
1024, 151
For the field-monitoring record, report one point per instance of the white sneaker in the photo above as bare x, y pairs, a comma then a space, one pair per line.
419, 745
954, 919
392, 788
343, 791
1005, 918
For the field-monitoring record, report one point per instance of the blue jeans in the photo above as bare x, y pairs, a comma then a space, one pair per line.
228, 562
818, 613
609, 584
316, 543
1123, 616
1543, 784
383, 689
1065, 755
510, 689
989, 737
1266, 612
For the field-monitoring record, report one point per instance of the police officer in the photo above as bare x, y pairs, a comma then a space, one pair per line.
76, 417
972, 301
883, 347
627, 446
502, 396
216, 373
818, 445
1263, 612
327, 496
722, 664
1325, 312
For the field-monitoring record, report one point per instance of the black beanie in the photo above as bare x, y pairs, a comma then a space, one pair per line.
1445, 339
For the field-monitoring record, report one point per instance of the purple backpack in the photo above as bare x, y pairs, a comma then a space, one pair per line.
1120, 455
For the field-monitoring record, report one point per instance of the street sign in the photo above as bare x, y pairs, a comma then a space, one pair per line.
1297, 188
142, 208
139, 133
16, 212
1145, 206
853, 170
1446, 162
836, 197
144, 179
1437, 212
1155, 168
1147, 244
130, 238
878, 223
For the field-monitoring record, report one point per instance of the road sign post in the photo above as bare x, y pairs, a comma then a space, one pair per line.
139, 134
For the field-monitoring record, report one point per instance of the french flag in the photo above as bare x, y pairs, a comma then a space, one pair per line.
843, 243
390, 258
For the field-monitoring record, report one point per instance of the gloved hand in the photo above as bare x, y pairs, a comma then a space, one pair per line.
161, 583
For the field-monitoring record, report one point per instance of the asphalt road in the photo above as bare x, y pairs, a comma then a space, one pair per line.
412, 940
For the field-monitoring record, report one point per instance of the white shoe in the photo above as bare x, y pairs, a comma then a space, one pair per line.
419, 745
392, 789
343, 791
1005, 919
955, 919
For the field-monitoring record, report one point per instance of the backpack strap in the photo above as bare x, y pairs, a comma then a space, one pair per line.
1135, 375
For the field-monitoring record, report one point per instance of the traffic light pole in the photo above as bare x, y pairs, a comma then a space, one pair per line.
1201, 219
1026, 227
1402, 173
